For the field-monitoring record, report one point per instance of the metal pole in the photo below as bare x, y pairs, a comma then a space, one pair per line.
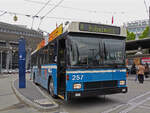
22, 62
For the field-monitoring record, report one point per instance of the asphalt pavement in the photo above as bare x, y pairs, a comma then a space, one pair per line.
33, 99
9, 102
33, 96
136, 100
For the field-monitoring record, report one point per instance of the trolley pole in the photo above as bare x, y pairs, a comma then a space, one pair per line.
22, 62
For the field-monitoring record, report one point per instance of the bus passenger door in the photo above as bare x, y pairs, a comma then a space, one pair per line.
61, 62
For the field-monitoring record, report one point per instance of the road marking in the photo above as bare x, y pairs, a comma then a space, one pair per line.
134, 106
113, 109
6, 94
145, 107
130, 102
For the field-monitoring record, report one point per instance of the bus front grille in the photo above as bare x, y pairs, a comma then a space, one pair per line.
100, 85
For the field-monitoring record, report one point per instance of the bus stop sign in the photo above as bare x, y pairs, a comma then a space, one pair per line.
22, 60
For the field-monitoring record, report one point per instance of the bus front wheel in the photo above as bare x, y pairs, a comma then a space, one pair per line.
51, 88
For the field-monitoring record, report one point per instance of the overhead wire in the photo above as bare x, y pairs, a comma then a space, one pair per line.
146, 7
9, 12
78, 9
3, 13
39, 12
31, 16
53, 8
43, 7
49, 12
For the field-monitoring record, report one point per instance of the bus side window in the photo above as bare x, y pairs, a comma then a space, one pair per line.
45, 55
51, 53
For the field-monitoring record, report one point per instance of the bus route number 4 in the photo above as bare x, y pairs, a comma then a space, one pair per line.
77, 77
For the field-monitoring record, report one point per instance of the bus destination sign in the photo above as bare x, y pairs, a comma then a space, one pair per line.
99, 28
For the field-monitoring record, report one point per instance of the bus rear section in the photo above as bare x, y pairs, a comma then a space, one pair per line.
89, 82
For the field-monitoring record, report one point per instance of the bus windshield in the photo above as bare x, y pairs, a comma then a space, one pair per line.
96, 51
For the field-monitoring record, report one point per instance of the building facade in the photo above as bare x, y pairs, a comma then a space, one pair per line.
9, 37
137, 27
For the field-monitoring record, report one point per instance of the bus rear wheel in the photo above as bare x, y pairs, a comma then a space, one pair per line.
51, 88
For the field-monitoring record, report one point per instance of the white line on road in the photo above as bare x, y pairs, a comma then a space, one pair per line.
145, 107
134, 106
130, 102
114, 108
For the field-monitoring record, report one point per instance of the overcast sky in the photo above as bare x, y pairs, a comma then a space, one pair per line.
99, 11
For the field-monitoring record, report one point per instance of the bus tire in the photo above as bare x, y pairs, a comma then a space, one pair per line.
51, 88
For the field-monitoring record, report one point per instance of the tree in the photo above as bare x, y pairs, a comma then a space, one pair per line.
145, 33
130, 36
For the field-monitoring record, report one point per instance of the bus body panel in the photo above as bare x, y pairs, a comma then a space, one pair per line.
36, 75
120, 75
54, 76
84, 76
49, 70
45, 76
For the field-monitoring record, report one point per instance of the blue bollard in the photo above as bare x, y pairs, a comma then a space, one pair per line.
22, 61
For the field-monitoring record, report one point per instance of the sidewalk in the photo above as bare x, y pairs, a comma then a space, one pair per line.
33, 96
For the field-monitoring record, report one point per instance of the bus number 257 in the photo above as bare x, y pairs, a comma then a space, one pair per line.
77, 77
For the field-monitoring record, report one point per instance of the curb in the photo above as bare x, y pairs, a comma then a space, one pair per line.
30, 103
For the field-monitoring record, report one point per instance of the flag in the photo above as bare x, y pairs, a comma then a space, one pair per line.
112, 21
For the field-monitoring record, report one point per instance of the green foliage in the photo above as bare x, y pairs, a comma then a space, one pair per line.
145, 33
130, 36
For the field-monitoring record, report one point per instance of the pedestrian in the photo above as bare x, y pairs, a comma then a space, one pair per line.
133, 69
136, 74
140, 72
136, 77
146, 70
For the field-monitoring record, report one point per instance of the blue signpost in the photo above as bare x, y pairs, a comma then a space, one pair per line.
22, 62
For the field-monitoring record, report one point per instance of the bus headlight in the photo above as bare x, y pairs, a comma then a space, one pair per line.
77, 86
122, 82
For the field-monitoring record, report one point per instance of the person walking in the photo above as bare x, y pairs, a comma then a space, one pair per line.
140, 72
146, 70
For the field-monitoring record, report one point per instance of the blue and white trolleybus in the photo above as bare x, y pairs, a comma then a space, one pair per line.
82, 59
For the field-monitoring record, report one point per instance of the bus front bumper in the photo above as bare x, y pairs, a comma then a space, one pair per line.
106, 91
